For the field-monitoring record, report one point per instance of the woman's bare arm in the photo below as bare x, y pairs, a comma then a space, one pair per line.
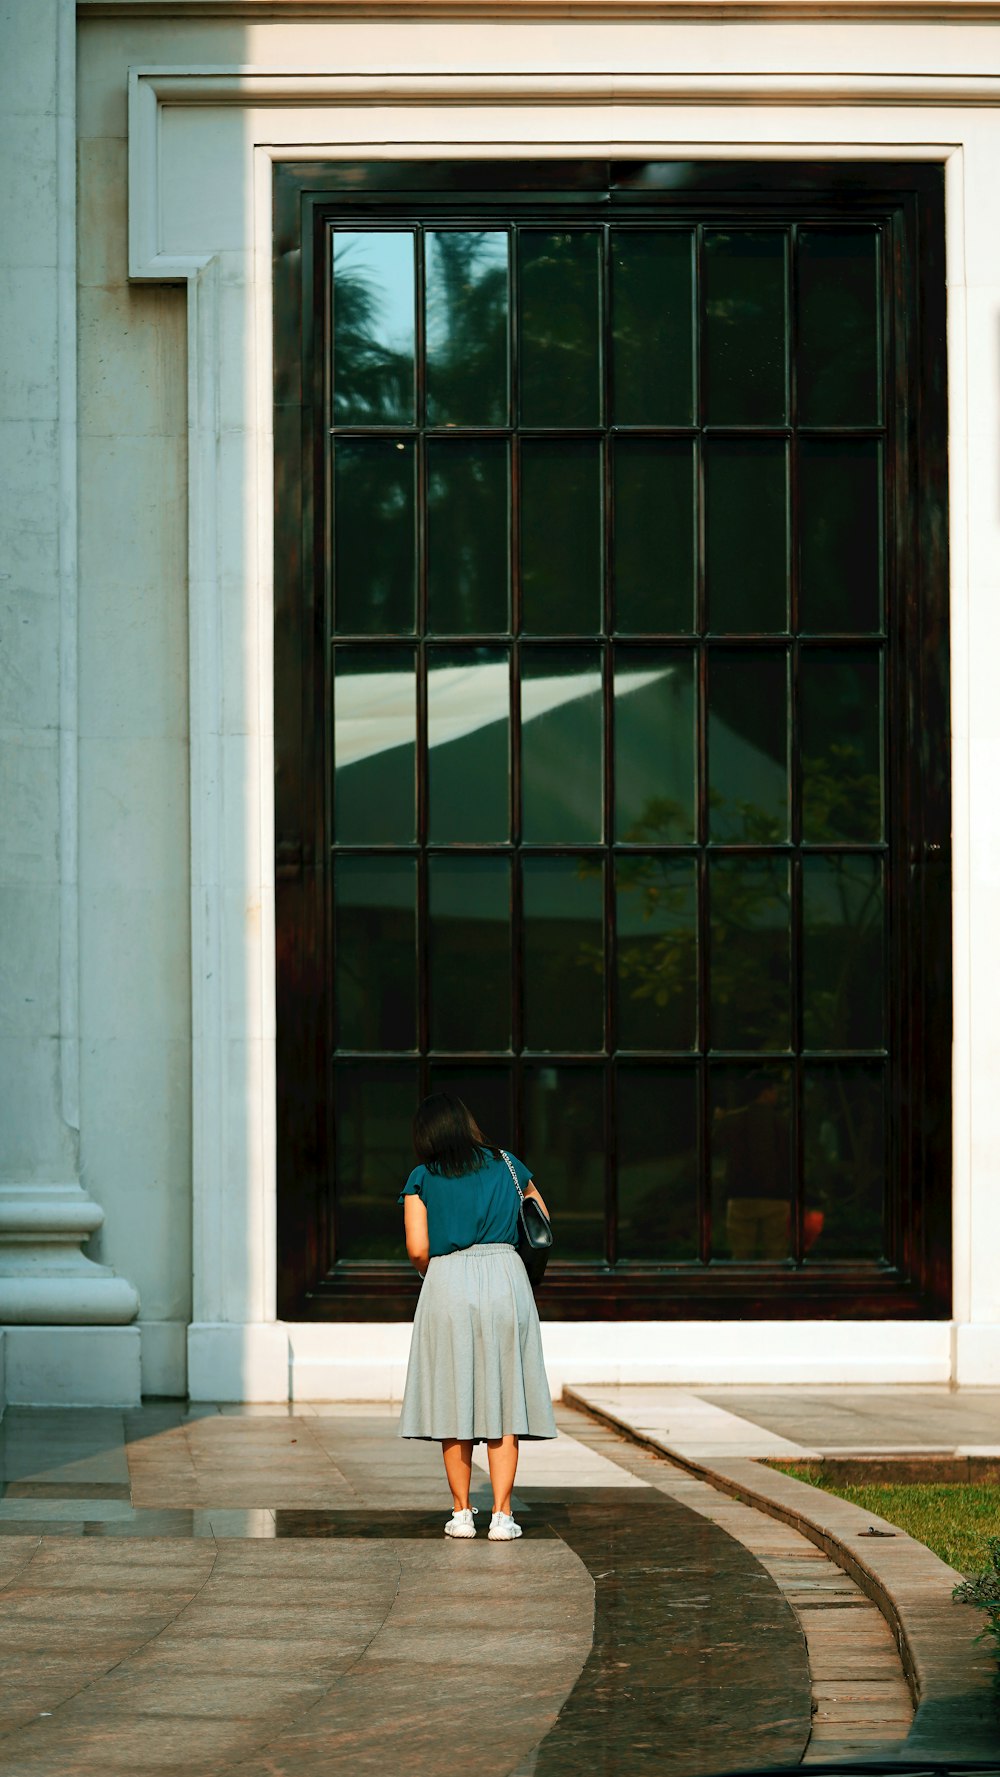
531, 1190
418, 1246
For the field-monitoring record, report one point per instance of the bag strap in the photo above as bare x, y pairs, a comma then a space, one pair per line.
513, 1174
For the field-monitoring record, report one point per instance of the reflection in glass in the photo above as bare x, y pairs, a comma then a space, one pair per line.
746, 534
373, 328
374, 536
374, 1103
562, 725
751, 1163
563, 953
468, 564
375, 903
560, 350
844, 1161
657, 1164
842, 950
466, 309
565, 1147
840, 554
651, 271
838, 353
487, 1093
654, 745
748, 745
561, 565
374, 746
468, 744
744, 327
469, 902
657, 926
749, 964
840, 747
654, 535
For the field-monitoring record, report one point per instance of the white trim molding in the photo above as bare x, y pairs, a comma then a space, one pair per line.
202, 142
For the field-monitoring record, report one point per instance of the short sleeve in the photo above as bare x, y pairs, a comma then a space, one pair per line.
414, 1186
524, 1174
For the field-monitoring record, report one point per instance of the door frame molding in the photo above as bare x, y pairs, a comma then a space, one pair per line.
207, 224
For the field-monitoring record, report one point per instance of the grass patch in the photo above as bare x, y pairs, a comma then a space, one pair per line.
954, 1518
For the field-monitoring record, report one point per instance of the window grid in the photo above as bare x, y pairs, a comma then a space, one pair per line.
704, 645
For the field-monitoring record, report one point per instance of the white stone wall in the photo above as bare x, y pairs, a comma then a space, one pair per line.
181, 1158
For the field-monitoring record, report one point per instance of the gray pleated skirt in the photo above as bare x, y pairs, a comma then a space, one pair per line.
476, 1369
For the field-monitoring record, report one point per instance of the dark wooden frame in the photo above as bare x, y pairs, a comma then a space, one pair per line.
908, 200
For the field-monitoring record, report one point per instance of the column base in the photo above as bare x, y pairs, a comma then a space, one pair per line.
72, 1366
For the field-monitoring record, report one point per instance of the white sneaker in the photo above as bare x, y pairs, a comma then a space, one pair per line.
461, 1523
502, 1528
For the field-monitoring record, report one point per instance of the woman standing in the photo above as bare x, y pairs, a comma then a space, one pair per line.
476, 1373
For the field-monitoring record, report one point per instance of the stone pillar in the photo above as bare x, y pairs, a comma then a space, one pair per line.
50, 1294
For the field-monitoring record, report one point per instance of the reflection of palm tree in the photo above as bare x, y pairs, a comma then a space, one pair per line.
372, 381
467, 328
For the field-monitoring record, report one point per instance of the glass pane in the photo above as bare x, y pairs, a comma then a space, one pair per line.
561, 565
749, 973
654, 745
468, 559
562, 757
374, 746
466, 297
657, 1164
840, 554
840, 716
651, 271
837, 365
376, 952
842, 952
565, 1147
843, 1136
657, 907
748, 745
468, 744
374, 1152
563, 953
487, 1093
654, 535
746, 534
751, 1159
469, 901
744, 327
373, 329
560, 301
374, 537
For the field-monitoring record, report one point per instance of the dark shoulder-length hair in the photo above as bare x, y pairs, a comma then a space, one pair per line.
447, 1138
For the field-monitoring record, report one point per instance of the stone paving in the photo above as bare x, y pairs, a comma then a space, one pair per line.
267, 1592
270, 1593
952, 1679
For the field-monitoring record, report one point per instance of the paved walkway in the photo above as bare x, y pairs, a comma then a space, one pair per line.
267, 1592
271, 1594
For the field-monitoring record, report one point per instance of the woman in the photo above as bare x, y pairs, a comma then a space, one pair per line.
476, 1372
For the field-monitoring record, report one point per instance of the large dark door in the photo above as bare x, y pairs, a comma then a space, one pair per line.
612, 731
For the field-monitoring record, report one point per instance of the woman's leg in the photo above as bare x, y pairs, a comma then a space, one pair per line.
502, 1454
457, 1453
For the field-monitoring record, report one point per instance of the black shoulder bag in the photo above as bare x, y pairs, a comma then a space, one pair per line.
534, 1231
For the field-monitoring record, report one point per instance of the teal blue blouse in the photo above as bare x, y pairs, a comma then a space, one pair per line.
477, 1209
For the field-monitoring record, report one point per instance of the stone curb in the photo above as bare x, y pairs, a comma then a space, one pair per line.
951, 1679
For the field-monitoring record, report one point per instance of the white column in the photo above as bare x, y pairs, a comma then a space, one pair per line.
46, 1283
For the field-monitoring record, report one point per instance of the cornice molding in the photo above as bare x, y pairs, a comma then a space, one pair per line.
699, 11
255, 87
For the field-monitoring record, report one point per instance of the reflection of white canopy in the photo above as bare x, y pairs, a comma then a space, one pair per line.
375, 711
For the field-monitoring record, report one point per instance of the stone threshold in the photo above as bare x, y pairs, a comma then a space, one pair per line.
951, 1680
